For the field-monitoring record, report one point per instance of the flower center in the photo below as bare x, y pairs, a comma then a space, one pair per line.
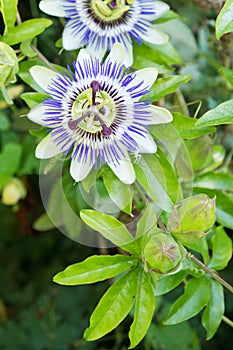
93, 111
110, 10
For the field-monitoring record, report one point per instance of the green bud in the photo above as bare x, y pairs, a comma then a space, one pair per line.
8, 65
192, 218
13, 191
162, 253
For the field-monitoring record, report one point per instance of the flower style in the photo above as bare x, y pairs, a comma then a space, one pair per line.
97, 112
98, 24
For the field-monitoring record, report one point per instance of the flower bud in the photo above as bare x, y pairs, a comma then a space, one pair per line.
13, 191
162, 253
8, 65
192, 218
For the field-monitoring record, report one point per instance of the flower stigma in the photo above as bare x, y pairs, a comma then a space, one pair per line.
110, 10
93, 111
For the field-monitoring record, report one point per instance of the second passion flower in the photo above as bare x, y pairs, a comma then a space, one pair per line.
95, 112
98, 24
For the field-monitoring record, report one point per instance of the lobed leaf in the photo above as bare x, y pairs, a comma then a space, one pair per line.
9, 12
113, 307
153, 179
119, 192
212, 315
165, 86
144, 309
222, 114
222, 249
110, 228
168, 282
218, 181
224, 21
195, 297
93, 269
26, 31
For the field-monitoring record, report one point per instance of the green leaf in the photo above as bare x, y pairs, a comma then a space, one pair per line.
147, 221
222, 250
182, 126
113, 307
168, 282
168, 53
93, 269
152, 178
144, 309
214, 310
222, 114
110, 228
224, 205
200, 246
215, 158
213, 181
119, 192
25, 75
146, 56
195, 297
26, 48
9, 12
165, 86
90, 180
33, 98
224, 21
26, 31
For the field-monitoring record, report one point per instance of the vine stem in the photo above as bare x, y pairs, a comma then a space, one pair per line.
227, 321
209, 271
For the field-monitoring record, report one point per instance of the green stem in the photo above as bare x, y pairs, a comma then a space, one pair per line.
43, 58
210, 272
227, 321
6, 96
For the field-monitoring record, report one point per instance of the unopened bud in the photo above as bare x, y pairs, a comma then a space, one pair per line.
13, 191
192, 218
8, 65
162, 253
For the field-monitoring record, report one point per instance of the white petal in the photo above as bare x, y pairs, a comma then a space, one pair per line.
79, 170
160, 9
43, 76
146, 143
84, 54
36, 114
98, 52
128, 57
70, 40
145, 75
47, 148
155, 36
52, 7
124, 170
117, 53
160, 115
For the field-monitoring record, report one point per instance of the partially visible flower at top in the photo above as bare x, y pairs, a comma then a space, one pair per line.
98, 24
96, 111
